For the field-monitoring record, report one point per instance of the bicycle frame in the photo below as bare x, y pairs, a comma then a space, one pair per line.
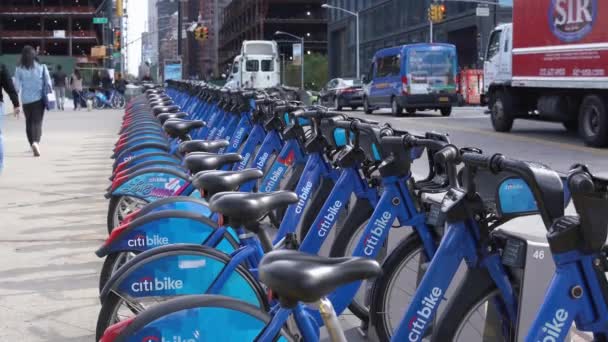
460, 242
574, 295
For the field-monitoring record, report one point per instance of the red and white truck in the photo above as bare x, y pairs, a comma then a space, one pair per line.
551, 64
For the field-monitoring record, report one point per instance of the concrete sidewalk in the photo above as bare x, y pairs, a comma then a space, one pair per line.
52, 218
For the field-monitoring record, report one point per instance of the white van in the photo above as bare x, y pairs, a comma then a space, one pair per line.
257, 66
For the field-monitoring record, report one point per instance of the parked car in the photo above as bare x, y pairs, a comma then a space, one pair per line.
342, 92
412, 77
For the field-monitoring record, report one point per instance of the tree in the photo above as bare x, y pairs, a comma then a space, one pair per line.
316, 72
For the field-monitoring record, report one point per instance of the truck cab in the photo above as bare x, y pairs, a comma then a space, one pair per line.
498, 67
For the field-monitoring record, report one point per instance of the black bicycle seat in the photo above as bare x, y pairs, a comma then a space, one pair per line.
165, 109
202, 145
180, 128
218, 181
246, 207
301, 277
202, 161
166, 116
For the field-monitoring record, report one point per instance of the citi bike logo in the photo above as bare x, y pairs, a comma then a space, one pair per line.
275, 176
262, 161
170, 339
238, 136
418, 323
244, 162
303, 197
142, 240
572, 20
329, 218
149, 284
372, 239
552, 330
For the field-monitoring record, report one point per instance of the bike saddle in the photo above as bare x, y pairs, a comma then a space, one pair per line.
301, 277
166, 116
216, 181
165, 109
241, 208
202, 145
180, 128
160, 103
202, 161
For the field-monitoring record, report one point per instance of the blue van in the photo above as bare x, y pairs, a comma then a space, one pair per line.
412, 77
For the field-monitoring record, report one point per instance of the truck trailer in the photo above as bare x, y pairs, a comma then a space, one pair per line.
551, 64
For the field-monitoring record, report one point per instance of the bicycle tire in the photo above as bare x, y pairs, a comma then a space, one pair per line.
107, 268
199, 301
113, 301
356, 218
477, 286
112, 216
390, 267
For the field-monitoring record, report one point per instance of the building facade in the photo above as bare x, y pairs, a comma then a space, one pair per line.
385, 23
166, 27
54, 27
260, 19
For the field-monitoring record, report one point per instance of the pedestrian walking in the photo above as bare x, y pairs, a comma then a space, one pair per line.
76, 86
59, 82
106, 84
34, 84
6, 84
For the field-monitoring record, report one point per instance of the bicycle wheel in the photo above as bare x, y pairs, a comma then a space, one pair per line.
349, 235
111, 264
98, 103
120, 304
118, 101
392, 292
121, 206
476, 316
206, 317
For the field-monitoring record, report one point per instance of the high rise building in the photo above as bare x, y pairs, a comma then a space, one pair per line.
166, 11
260, 19
55, 27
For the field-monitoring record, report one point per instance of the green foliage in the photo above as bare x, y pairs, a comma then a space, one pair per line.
315, 72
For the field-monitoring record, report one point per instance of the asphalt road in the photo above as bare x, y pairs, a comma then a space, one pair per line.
545, 142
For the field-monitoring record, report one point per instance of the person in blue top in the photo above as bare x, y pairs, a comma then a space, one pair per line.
31, 78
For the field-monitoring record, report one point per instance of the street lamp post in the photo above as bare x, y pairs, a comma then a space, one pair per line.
356, 15
302, 49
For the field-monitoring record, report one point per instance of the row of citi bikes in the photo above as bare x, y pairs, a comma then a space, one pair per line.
221, 202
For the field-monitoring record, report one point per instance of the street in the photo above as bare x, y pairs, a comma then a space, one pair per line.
545, 142
53, 211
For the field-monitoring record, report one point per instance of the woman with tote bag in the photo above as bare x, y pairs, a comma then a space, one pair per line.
34, 85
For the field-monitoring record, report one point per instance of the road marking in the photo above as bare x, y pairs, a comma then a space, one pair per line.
521, 138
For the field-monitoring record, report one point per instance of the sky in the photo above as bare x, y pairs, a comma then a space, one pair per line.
137, 11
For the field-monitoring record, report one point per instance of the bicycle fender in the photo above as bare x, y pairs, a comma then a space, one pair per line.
148, 164
138, 142
184, 203
156, 155
160, 229
137, 149
150, 183
183, 269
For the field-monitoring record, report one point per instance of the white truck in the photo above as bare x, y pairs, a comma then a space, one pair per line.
256, 67
551, 64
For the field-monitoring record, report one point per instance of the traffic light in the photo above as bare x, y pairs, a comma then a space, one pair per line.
437, 13
117, 44
201, 33
441, 12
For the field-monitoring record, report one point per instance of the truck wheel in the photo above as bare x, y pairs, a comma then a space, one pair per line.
502, 112
446, 111
366, 108
593, 121
396, 108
